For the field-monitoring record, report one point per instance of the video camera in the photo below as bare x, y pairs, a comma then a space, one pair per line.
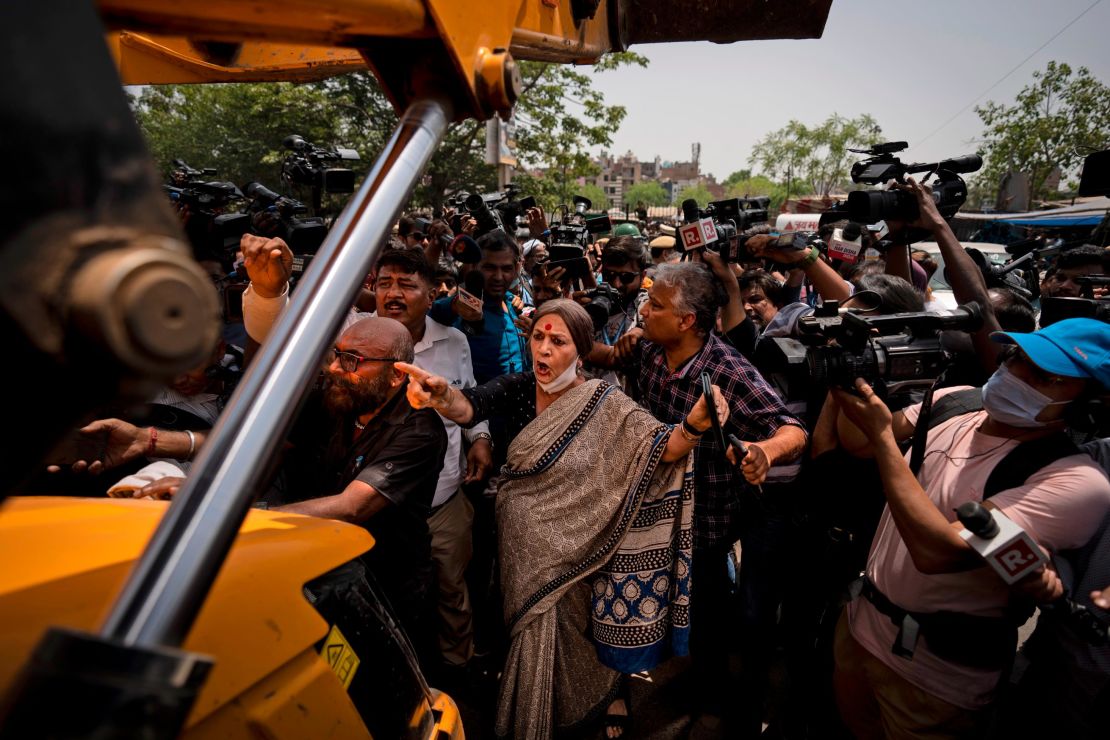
314, 166
213, 233
495, 211
730, 218
1086, 306
288, 219
871, 206
572, 233
892, 353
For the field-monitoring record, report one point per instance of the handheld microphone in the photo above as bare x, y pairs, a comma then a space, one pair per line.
1007, 548
471, 294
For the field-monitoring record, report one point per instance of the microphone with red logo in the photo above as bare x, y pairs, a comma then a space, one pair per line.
1013, 554
1006, 547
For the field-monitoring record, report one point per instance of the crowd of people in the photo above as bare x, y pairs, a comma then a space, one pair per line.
554, 510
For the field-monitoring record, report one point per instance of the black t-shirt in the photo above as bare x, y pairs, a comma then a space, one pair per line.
400, 454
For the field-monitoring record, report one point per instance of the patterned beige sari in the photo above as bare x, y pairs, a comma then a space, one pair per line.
594, 540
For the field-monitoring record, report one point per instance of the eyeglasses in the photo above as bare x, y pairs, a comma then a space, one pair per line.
349, 361
625, 277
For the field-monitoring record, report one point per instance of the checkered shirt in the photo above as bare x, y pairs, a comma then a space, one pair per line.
755, 413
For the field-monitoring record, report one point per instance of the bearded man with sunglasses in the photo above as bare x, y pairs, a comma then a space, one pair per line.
360, 454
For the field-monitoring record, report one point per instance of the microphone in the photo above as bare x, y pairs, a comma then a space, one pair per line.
475, 283
470, 294
690, 210
1007, 548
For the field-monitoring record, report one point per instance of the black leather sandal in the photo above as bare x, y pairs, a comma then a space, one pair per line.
620, 722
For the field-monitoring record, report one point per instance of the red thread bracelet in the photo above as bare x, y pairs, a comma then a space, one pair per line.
153, 441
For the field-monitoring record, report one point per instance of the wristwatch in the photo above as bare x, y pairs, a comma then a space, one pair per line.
482, 435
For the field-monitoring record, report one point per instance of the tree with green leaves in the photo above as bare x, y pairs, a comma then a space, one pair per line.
756, 186
697, 192
737, 177
815, 157
560, 117
648, 192
238, 129
1053, 122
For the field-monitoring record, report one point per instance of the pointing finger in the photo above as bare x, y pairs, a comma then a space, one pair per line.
412, 371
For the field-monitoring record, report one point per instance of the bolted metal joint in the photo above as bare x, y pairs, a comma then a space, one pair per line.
147, 303
497, 81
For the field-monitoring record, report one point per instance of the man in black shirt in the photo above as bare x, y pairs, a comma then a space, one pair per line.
361, 454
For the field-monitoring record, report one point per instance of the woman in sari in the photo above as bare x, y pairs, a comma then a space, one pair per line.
594, 512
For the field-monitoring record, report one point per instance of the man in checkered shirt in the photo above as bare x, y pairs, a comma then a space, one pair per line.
678, 345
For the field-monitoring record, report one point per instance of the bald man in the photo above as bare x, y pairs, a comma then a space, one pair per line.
362, 454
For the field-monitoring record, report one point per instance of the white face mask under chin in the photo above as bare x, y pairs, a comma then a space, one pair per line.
565, 378
1010, 400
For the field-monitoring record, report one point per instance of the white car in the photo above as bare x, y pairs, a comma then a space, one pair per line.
942, 291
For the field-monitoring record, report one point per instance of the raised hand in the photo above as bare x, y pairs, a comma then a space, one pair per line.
269, 264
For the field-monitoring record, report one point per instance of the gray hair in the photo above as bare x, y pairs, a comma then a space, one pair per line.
696, 290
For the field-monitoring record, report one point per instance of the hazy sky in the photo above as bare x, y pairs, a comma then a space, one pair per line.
912, 65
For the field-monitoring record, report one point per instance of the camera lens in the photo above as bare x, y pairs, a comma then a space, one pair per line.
869, 206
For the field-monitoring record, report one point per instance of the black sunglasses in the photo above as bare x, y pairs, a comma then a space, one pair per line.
625, 277
349, 361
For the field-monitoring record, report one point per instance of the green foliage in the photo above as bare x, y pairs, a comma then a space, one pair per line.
560, 116
815, 158
758, 185
648, 192
238, 129
697, 192
737, 177
1054, 122
599, 201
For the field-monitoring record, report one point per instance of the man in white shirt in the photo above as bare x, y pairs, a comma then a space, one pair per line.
404, 289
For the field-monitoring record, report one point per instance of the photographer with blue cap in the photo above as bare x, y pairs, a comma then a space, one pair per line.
922, 653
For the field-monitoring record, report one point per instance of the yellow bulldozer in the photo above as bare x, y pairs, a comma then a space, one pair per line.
204, 617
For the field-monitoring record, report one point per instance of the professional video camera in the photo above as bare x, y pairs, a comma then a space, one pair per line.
730, 218
572, 233
279, 215
871, 206
213, 233
892, 353
495, 211
314, 166
1086, 306
605, 301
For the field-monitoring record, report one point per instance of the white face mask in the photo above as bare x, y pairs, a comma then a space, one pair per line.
1010, 400
565, 378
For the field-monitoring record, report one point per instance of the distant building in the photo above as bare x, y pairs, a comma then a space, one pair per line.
617, 175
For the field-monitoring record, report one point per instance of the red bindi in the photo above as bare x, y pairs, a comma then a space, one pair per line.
547, 327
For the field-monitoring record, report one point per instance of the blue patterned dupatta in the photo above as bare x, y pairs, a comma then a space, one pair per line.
641, 597
594, 542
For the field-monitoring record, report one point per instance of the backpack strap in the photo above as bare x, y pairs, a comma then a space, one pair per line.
956, 404
933, 413
1025, 460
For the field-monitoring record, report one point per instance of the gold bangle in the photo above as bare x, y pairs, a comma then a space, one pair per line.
686, 435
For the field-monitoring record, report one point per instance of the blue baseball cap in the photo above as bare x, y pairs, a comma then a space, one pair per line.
1074, 348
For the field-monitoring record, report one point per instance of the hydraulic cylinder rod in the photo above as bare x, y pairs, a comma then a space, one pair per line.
169, 584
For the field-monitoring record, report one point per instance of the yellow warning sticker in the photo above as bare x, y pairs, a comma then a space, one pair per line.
340, 656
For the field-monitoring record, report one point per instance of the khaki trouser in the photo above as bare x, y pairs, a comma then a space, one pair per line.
877, 703
452, 547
